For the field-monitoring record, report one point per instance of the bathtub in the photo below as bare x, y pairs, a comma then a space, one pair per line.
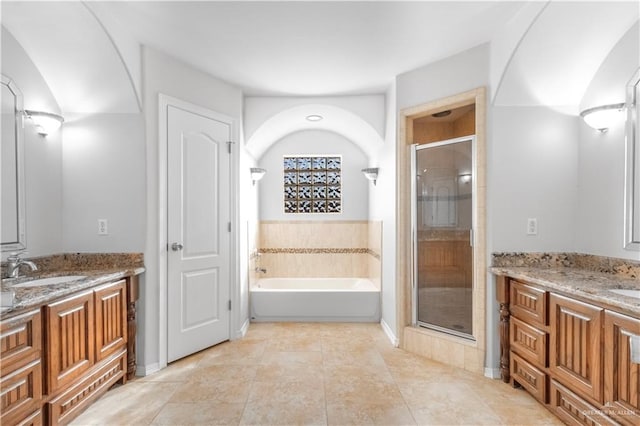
315, 299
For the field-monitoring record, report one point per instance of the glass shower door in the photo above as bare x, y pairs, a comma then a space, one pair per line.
442, 219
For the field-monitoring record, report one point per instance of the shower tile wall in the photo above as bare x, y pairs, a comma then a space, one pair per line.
320, 249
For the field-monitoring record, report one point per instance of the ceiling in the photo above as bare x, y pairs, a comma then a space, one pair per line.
88, 52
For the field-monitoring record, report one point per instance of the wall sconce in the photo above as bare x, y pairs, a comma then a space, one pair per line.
371, 173
602, 117
256, 174
45, 122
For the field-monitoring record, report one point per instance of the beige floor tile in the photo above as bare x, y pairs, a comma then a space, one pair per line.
199, 413
226, 391
287, 373
292, 358
266, 412
136, 402
309, 373
364, 413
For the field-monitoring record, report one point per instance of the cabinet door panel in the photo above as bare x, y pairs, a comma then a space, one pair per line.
111, 318
574, 352
70, 338
622, 376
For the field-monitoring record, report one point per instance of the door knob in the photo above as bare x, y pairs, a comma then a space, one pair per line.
176, 246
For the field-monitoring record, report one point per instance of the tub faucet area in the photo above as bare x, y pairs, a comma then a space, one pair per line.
14, 263
261, 270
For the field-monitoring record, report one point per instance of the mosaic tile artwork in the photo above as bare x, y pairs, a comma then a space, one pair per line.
312, 184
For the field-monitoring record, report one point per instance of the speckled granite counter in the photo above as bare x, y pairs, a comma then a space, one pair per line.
98, 269
585, 277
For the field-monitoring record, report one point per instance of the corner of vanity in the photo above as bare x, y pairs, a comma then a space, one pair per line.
569, 333
66, 343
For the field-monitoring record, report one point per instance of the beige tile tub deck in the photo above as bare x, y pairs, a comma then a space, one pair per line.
314, 374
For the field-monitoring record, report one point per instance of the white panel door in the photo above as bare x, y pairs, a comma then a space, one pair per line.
198, 215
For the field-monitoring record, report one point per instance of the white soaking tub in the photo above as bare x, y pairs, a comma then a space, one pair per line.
315, 299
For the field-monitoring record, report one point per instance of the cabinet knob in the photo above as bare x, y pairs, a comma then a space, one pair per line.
176, 246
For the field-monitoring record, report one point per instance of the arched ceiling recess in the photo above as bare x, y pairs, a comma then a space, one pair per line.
559, 55
75, 55
334, 119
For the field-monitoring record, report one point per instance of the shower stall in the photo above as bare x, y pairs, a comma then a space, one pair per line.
442, 232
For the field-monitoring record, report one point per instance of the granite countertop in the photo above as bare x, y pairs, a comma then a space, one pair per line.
97, 269
584, 284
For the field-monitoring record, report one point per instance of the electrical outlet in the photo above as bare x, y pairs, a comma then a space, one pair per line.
532, 226
103, 227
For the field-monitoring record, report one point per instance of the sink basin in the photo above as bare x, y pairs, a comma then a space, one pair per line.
50, 281
629, 293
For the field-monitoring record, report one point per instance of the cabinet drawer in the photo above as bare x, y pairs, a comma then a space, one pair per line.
20, 341
528, 342
532, 379
574, 410
21, 392
67, 405
33, 419
528, 303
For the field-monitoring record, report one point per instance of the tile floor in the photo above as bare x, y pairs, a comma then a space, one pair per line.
314, 374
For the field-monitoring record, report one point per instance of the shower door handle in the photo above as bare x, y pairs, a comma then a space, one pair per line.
176, 246
471, 237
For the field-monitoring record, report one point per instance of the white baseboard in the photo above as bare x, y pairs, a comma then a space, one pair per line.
387, 330
243, 330
492, 373
145, 370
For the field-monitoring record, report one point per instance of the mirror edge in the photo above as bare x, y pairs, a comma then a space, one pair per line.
21, 244
632, 164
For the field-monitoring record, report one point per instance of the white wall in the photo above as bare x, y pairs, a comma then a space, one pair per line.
355, 198
164, 74
382, 207
103, 177
456, 74
532, 174
601, 160
43, 155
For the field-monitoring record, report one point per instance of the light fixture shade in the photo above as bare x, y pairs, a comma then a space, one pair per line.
256, 174
371, 173
602, 117
45, 122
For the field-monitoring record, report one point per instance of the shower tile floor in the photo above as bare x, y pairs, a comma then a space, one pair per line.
446, 307
314, 374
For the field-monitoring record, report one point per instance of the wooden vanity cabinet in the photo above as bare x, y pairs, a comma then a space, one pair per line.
21, 368
621, 375
57, 359
572, 356
86, 348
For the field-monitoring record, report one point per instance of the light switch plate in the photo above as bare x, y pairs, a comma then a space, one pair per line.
532, 226
103, 227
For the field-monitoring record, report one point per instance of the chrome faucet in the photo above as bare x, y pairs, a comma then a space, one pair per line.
14, 262
261, 270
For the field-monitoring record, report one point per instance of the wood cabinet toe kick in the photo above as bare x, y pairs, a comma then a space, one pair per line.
573, 356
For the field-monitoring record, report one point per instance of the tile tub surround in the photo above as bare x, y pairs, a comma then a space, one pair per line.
302, 373
98, 268
325, 249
